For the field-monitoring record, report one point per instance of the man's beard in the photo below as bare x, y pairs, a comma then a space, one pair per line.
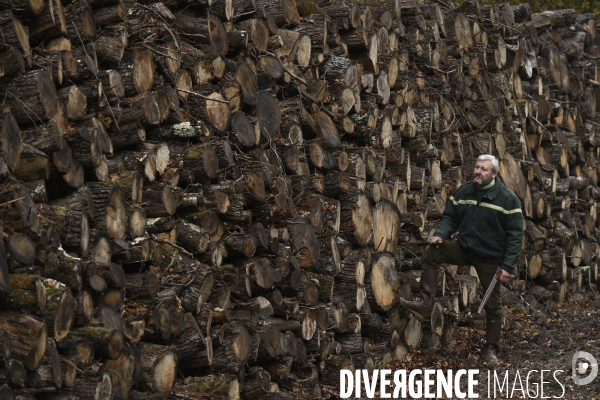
483, 183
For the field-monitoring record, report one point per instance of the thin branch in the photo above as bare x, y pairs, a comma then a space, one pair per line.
286, 69
237, 16
11, 201
158, 52
203, 96
26, 106
172, 35
95, 70
317, 102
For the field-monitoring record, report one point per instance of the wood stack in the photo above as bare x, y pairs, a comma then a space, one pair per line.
226, 198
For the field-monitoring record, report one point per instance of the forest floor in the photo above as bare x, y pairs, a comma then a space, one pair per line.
530, 344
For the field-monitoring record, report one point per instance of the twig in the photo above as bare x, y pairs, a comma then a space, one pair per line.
446, 4
235, 17
11, 201
317, 102
95, 70
172, 35
286, 69
281, 168
158, 52
496, 23
26, 106
203, 96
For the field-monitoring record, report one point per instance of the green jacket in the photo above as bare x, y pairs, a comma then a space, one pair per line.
491, 231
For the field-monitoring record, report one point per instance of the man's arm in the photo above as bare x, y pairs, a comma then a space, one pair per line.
449, 224
514, 229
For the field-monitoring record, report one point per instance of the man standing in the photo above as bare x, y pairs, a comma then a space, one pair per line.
489, 221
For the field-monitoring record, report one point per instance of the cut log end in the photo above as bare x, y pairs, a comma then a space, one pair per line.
165, 372
65, 315
22, 247
385, 281
12, 143
105, 387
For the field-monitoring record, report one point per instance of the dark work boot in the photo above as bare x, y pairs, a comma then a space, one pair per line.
422, 309
493, 331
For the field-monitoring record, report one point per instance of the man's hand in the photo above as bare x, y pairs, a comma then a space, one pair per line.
505, 277
436, 241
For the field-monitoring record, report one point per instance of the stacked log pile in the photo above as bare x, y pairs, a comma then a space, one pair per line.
226, 198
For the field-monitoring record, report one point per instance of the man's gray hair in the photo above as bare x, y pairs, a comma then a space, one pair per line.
489, 157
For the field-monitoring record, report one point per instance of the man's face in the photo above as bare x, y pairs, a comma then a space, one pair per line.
483, 173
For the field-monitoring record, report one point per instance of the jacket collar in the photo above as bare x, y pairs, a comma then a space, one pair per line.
491, 193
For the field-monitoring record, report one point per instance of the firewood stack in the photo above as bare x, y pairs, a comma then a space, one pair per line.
227, 198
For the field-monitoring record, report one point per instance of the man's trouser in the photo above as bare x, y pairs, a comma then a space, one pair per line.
451, 252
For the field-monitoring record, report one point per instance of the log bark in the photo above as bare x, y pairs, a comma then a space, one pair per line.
283, 12
234, 349
110, 15
32, 97
106, 342
11, 63
110, 48
20, 213
50, 22
27, 336
81, 25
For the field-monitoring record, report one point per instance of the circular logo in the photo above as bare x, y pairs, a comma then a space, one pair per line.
582, 367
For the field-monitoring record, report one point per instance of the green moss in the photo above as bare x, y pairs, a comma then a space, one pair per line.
195, 153
227, 268
195, 217
168, 251
98, 332
307, 8
125, 24
23, 281
52, 291
156, 350
25, 299
213, 384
